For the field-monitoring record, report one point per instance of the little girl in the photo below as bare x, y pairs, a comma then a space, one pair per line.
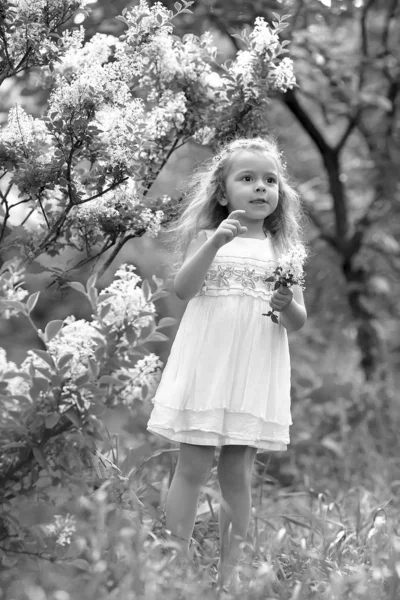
227, 380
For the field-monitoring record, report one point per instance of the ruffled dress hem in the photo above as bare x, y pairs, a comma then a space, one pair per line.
211, 438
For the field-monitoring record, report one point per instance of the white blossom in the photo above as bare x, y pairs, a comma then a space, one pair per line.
263, 38
62, 527
146, 373
283, 75
79, 338
292, 263
204, 135
243, 66
169, 114
121, 126
126, 301
23, 132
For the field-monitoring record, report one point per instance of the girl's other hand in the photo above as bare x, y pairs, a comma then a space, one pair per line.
228, 230
281, 298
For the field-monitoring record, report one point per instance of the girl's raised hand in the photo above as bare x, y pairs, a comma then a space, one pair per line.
228, 230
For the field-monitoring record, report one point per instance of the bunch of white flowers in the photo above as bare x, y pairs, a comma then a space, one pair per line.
63, 527
77, 338
120, 126
13, 385
169, 114
243, 66
204, 135
126, 301
291, 265
35, 18
23, 133
263, 38
289, 272
118, 211
143, 379
11, 276
282, 75
144, 20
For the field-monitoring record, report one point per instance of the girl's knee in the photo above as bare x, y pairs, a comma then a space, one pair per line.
235, 467
194, 463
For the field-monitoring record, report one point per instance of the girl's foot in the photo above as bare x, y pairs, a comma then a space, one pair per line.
229, 575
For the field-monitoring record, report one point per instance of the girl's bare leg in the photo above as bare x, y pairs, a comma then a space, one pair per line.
192, 470
234, 473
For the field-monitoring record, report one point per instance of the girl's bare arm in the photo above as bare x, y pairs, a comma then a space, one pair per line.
192, 273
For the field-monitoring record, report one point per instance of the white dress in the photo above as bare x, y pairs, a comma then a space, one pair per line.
227, 378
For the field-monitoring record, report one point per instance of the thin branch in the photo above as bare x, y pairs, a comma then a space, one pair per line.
43, 211
352, 122
87, 260
112, 186
116, 250
27, 217
292, 102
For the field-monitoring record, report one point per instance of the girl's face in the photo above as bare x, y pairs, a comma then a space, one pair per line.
252, 184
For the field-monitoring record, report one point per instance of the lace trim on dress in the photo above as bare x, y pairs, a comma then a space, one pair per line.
232, 277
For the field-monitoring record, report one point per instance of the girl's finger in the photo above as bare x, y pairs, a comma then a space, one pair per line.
236, 212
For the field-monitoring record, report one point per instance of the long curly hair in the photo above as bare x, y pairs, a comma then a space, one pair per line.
204, 189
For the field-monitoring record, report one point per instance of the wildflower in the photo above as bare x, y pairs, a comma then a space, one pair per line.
289, 272
63, 528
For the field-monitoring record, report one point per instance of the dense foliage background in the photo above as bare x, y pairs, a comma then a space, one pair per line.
82, 483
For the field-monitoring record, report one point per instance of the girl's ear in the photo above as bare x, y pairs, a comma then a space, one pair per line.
223, 201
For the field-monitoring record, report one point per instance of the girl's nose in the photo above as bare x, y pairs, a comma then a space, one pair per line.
260, 187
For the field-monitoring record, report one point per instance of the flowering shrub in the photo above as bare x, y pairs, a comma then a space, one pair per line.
84, 170
50, 406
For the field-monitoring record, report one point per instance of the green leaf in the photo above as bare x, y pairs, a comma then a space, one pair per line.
91, 282
177, 6
74, 417
31, 302
110, 380
158, 295
44, 356
157, 337
76, 285
64, 360
146, 290
39, 456
82, 379
52, 329
166, 322
52, 420
275, 318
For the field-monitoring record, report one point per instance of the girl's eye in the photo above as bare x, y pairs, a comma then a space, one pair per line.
271, 180
247, 177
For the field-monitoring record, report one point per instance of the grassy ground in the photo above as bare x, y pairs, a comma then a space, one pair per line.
325, 522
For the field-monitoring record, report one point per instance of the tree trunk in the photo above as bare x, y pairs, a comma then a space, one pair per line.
369, 339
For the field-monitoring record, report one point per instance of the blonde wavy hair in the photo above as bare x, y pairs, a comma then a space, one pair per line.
206, 186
